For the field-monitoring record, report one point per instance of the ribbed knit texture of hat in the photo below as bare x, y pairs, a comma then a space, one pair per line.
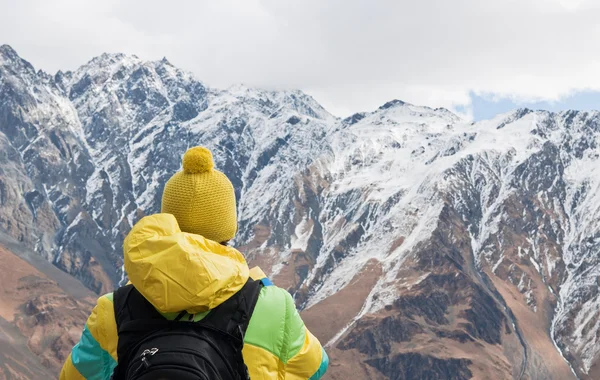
201, 198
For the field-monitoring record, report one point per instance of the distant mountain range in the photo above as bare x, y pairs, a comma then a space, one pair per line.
418, 245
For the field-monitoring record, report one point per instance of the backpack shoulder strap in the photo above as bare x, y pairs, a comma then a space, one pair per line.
233, 315
135, 317
120, 297
130, 305
249, 298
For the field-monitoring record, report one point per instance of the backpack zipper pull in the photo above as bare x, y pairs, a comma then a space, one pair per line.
151, 352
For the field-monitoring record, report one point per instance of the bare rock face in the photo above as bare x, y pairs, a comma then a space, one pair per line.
417, 245
417, 366
40, 321
53, 325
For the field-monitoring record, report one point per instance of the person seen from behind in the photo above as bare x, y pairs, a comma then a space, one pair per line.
193, 308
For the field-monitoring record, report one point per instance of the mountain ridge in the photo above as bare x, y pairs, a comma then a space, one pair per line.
472, 244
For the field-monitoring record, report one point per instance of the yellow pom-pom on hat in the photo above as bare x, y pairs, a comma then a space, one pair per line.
201, 198
197, 160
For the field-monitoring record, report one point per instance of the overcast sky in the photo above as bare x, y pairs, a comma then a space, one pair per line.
351, 55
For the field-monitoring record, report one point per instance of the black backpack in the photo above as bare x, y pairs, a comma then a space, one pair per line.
152, 347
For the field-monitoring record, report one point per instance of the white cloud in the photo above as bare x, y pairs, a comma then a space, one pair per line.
352, 55
571, 5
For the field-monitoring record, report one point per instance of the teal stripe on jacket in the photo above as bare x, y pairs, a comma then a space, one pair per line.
85, 358
323, 368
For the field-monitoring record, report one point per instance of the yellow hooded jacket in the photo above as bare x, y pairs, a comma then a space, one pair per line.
178, 271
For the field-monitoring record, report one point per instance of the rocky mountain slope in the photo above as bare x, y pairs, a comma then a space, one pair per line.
41, 313
418, 245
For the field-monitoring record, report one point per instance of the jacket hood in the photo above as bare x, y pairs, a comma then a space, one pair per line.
179, 271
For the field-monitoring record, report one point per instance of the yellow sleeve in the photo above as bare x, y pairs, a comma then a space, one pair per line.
95, 356
69, 372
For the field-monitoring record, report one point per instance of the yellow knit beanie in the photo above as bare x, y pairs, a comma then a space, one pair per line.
201, 198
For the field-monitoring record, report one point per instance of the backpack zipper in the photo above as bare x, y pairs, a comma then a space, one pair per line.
144, 360
152, 352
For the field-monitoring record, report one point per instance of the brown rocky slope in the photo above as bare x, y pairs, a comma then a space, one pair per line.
42, 313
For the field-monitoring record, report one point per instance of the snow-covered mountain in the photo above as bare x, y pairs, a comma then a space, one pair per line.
418, 245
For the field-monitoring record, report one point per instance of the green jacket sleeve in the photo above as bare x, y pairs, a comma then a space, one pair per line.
303, 355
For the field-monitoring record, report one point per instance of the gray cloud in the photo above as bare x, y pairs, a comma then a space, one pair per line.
352, 55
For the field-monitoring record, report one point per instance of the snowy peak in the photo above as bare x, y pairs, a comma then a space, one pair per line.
140, 91
392, 103
119, 74
11, 64
7, 50
272, 101
107, 62
8, 56
397, 112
